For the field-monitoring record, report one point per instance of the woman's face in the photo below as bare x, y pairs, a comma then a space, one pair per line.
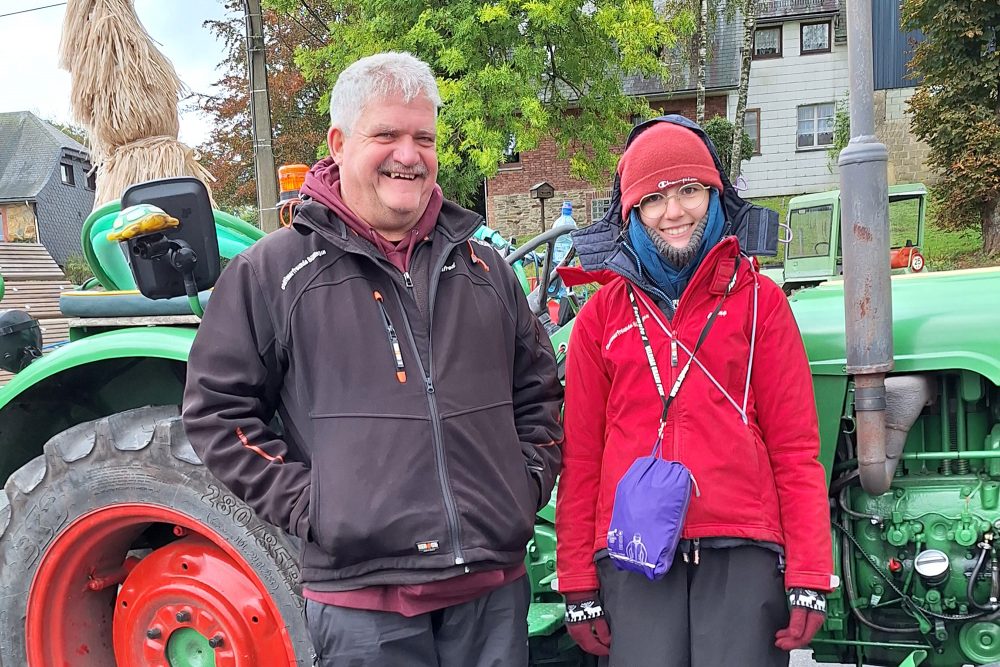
675, 212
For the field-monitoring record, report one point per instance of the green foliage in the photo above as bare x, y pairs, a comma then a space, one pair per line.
956, 108
841, 132
720, 131
530, 69
76, 270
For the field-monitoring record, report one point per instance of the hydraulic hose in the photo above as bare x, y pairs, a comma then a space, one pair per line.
842, 501
852, 600
974, 576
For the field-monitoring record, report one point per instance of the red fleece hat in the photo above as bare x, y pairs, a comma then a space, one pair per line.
662, 156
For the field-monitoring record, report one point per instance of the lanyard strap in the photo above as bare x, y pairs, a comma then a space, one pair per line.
666, 400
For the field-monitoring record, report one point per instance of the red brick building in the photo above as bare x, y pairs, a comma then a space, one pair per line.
509, 206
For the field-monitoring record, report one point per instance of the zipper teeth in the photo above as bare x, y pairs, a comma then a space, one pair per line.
439, 457
397, 353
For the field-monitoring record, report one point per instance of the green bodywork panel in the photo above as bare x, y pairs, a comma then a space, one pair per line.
941, 320
164, 342
88, 379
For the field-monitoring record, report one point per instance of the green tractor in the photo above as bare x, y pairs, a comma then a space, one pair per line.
117, 546
813, 250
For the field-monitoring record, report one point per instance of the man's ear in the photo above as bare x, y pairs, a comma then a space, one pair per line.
335, 142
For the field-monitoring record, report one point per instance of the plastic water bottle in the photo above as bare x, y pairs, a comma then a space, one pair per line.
564, 242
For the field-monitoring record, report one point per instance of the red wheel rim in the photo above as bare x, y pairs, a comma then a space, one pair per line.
77, 614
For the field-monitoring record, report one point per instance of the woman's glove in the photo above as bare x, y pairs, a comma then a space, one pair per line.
807, 616
586, 623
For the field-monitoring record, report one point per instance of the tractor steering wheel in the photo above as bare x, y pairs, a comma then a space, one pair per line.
548, 275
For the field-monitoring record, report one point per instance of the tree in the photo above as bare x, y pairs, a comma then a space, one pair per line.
299, 125
749, 9
720, 131
521, 69
956, 108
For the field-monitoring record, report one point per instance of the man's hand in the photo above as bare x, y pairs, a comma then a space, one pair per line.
586, 623
807, 616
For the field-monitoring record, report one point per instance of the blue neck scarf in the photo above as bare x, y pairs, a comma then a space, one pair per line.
665, 275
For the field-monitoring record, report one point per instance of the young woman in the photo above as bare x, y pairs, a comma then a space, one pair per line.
756, 537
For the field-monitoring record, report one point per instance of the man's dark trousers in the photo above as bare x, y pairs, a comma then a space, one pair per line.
722, 612
490, 631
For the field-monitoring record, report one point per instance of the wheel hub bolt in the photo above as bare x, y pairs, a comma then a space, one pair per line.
216, 641
183, 616
153, 633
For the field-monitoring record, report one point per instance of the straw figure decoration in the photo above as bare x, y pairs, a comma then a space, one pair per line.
125, 93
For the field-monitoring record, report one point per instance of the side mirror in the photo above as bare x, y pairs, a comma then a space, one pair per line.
179, 260
20, 340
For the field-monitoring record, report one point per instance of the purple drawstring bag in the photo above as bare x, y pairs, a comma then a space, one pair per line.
651, 502
652, 497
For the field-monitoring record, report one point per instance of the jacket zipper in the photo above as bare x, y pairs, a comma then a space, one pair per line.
397, 354
439, 455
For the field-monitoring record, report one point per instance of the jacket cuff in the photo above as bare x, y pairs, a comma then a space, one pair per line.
816, 581
578, 583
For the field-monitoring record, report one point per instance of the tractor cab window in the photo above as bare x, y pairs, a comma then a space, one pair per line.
904, 222
811, 229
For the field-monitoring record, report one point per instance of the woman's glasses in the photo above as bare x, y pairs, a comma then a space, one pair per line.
689, 196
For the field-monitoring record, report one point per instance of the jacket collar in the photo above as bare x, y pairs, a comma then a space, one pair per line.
455, 224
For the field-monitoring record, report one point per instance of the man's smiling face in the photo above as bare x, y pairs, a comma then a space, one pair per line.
388, 163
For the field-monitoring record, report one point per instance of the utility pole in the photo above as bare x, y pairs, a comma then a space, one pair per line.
260, 116
864, 205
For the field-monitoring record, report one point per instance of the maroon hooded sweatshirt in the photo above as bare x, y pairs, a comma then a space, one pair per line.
322, 183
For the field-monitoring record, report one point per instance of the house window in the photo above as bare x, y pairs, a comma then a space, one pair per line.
3, 227
92, 179
767, 42
599, 208
751, 123
815, 38
815, 126
511, 156
66, 173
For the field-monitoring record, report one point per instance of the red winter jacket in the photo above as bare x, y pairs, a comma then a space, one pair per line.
759, 478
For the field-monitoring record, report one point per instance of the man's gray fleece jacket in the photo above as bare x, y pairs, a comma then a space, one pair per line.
418, 436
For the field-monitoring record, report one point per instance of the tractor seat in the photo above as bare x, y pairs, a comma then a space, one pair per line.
123, 303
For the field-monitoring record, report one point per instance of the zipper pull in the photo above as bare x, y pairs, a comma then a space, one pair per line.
685, 551
673, 352
697, 550
430, 385
697, 491
407, 280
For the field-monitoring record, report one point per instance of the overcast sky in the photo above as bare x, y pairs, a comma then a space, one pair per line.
30, 78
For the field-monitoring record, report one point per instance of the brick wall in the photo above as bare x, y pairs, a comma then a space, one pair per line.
907, 154
509, 207
18, 223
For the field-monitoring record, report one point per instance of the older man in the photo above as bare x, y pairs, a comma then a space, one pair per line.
417, 394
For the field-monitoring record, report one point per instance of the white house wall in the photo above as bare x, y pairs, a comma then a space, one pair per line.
777, 87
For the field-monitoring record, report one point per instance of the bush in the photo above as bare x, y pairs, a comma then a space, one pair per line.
720, 131
76, 270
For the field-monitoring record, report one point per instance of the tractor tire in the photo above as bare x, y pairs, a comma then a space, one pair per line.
118, 547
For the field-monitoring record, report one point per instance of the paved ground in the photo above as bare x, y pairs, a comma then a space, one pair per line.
804, 659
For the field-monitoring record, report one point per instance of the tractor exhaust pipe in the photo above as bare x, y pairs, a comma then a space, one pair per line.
865, 239
883, 431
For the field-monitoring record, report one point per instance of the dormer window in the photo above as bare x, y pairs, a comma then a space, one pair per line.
66, 173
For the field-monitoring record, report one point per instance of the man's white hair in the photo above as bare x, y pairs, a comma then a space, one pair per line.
377, 77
